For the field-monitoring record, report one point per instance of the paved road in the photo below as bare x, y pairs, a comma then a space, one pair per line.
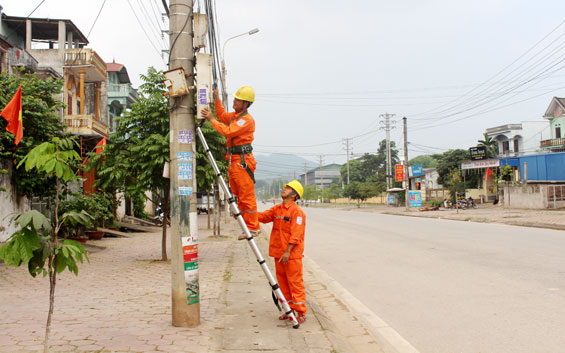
448, 286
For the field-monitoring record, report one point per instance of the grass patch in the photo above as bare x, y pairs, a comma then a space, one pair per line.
227, 276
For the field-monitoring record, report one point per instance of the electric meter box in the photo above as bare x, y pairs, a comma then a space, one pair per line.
175, 81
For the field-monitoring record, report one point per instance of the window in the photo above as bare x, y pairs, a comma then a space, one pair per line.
558, 132
516, 145
505, 147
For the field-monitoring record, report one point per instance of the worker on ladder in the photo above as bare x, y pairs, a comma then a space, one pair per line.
238, 128
287, 247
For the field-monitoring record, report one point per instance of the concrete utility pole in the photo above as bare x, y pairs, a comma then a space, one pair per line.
305, 174
322, 177
406, 175
347, 150
387, 128
184, 237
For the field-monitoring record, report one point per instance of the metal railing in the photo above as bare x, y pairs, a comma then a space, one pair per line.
555, 196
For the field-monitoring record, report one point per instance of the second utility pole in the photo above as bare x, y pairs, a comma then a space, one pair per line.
406, 175
184, 228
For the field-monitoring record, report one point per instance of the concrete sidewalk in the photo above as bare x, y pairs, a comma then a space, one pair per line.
120, 302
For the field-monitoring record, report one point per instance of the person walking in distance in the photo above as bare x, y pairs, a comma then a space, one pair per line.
238, 128
286, 246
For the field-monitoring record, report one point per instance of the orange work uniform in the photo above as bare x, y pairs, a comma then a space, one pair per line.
238, 128
289, 224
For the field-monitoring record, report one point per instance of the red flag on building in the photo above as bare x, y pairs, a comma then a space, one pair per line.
489, 172
100, 145
13, 114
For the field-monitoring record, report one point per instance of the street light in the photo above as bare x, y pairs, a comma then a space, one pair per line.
225, 93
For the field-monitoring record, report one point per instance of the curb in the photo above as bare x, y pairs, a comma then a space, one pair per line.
509, 223
387, 337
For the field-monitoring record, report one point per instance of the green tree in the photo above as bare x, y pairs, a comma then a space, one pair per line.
41, 123
454, 183
426, 161
311, 192
368, 165
132, 162
449, 160
360, 191
136, 153
355, 171
333, 192
37, 242
490, 144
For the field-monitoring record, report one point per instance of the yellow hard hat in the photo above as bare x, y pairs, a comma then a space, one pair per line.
245, 93
296, 186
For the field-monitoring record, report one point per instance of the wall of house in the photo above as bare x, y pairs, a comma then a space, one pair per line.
555, 122
10, 205
49, 58
532, 133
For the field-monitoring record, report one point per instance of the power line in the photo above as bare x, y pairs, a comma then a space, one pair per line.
96, 19
146, 35
145, 14
31, 13
502, 70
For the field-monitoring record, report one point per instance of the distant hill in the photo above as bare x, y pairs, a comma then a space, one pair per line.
286, 166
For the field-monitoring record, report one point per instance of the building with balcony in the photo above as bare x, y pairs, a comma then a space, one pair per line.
121, 94
58, 47
555, 113
519, 139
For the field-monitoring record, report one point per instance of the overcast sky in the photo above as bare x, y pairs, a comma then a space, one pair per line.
327, 70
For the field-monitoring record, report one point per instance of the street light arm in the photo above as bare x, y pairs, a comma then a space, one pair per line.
253, 31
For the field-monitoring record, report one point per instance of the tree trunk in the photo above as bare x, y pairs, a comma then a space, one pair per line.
52, 283
208, 193
217, 209
52, 270
166, 211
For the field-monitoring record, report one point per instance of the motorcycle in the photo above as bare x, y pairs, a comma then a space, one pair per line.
159, 216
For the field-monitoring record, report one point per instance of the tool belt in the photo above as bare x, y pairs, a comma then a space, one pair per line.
242, 150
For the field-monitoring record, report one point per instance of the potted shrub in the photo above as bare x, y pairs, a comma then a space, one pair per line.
101, 207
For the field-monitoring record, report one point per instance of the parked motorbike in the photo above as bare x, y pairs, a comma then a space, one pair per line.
159, 216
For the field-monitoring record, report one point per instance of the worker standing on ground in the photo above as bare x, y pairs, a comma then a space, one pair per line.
238, 128
287, 247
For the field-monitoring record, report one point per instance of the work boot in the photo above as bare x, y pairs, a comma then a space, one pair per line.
255, 233
300, 318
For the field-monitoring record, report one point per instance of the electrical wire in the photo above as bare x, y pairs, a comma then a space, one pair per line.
188, 17
140, 25
31, 13
152, 28
96, 19
503, 69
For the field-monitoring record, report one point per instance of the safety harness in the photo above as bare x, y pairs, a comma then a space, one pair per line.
242, 150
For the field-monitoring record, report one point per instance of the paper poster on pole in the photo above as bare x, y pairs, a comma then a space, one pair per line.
186, 137
191, 280
185, 190
184, 156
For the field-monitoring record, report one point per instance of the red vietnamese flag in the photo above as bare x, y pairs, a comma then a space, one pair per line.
100, 145
13, 114
489, 172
